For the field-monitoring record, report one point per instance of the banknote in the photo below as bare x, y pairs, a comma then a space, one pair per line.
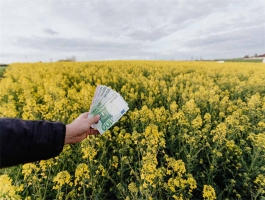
110, 105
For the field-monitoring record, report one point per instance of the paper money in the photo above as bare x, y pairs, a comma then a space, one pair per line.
110, 105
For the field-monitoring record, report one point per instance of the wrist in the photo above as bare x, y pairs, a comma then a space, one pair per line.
68, 138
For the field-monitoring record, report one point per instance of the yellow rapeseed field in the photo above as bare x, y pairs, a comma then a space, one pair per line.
195, 130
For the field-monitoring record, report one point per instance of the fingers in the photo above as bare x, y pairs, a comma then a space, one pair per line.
92, 132
94, 119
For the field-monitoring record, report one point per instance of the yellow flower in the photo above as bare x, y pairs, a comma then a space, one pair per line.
173, 107
260, 180
208, 192
88, 152
254, 101
115, 162
132, 187
44, 164
177, 197
29, 169
219, 133
81, 174
177, 165
197, 122
61, 179
192, 182
7, 190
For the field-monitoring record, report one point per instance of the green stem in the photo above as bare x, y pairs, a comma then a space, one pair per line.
46, 185
84, 191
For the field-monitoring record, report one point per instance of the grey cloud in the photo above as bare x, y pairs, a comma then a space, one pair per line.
241, 36
147, 20
50, 31
84, 49
147, 35
229, 44
140, 29
73, 44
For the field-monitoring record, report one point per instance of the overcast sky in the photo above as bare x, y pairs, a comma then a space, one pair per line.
51, 30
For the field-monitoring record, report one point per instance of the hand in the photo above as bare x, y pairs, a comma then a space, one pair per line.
80, 128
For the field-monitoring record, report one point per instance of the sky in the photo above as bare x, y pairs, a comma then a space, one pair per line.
52, 30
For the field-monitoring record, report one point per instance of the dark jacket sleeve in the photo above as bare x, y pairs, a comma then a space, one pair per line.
23, 141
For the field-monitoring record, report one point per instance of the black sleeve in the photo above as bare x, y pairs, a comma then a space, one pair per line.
23, 141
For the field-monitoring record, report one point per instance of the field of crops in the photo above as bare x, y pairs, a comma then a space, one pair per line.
195, 130
2, 69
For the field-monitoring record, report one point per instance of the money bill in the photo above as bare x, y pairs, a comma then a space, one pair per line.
110, 105
100, 90
94, 98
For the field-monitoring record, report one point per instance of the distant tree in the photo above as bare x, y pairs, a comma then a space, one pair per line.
68, 59
246, 56
73, 58
256, 55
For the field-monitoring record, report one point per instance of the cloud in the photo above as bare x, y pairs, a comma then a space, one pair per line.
134, 29
83, 48
50, 31
142, 20
232, 43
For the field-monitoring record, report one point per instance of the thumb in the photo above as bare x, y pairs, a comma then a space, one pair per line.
94, 119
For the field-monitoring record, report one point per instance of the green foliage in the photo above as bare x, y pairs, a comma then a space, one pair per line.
2, 69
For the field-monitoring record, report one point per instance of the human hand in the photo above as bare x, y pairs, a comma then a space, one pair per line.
80, 128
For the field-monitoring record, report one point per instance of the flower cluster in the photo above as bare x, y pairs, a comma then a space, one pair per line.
208, 192
62, 178
7, 189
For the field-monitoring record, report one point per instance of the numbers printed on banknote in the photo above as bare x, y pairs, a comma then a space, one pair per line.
110, 105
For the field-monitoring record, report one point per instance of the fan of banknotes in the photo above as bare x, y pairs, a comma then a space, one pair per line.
110, 105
